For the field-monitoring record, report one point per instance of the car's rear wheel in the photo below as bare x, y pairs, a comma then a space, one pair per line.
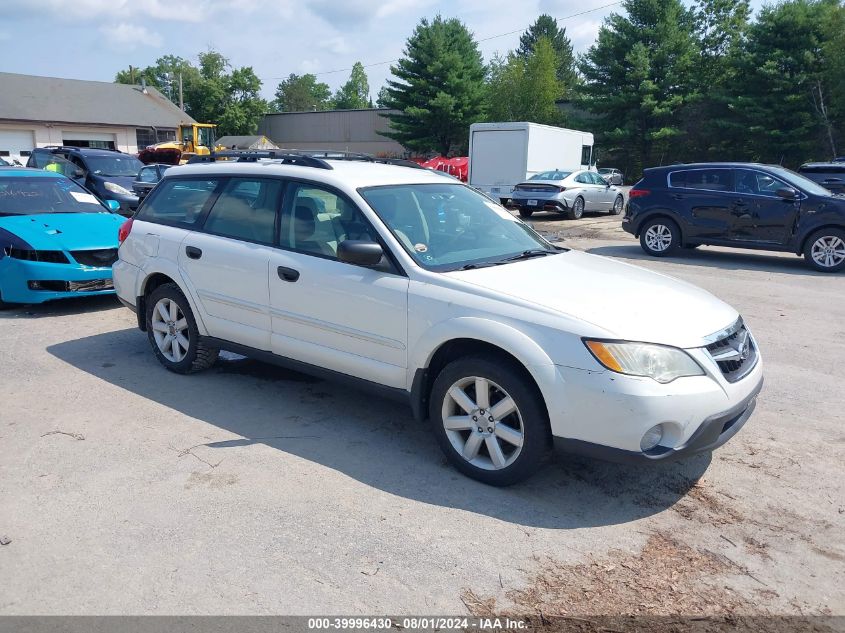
525, 213
489, 420
577, 209
173, 334
618, 205
660, 237
825, 250
3, 304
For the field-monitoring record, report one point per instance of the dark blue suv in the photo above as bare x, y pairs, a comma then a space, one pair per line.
743, 205
107, 173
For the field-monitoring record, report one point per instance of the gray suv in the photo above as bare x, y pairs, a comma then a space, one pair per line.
829, 175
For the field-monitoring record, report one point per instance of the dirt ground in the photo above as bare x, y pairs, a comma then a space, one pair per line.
248, 489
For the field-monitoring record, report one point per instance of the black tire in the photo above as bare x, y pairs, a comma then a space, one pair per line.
530, 415
4, 305
525, 213
834, 242
199, 355
576, 210
662, 227
618, 205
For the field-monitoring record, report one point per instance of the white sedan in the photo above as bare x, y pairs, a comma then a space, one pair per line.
568, 192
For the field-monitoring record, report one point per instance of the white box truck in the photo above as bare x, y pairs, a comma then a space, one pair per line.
504, 154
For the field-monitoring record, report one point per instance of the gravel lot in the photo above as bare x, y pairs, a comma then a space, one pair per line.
248, 489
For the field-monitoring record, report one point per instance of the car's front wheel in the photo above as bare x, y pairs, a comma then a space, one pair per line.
489, 420
618, 205
660, 237
825, 250
173, 334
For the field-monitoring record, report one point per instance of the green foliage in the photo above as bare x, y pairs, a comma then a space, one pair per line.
381, 98
355, 93
525, 88
546, 27
638, 79
302, 93
788, 69
213, 91
438, 86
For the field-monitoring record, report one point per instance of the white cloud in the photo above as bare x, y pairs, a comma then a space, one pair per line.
130, 36
172, 10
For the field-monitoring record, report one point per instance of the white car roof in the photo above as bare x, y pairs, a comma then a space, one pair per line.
344, 174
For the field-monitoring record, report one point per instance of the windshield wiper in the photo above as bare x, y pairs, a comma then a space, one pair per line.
480, 265
533, 252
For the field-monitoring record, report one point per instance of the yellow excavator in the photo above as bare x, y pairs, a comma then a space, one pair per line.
192, 139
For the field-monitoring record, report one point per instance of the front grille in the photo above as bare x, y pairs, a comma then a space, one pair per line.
55, 285
734, 352
538, 188
98, 259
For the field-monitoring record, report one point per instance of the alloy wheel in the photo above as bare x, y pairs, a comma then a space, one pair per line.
483, 423
828, 251
578, 207
658, 237
617, 205
170, 330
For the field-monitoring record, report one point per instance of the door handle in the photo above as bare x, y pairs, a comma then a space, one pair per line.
193, 252
287, 274
678, 196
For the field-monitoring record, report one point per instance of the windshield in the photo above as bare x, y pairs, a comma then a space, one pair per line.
802, 182
451, 226
114, 165
550, 175
27, 195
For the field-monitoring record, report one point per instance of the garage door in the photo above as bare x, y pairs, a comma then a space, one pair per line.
88, 139
13, 142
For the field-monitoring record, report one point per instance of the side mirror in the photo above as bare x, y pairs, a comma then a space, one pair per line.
113, 205
360, 253
78, 173
787, 193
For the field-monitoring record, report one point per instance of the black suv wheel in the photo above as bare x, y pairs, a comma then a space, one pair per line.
660, 237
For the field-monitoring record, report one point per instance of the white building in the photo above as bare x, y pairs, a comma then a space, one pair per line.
41, 111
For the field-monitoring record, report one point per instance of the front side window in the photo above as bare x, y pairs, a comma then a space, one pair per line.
703, 179
246, 209
316, 220
114, 165
33, 194
758, 183
451, 226
586, 154
178, 201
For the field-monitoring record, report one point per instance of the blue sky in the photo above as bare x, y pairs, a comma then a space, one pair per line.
93, 39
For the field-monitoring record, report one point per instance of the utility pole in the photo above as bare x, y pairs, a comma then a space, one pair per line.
181, 100
131, 75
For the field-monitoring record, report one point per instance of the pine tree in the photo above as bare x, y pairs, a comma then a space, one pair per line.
438, 86
546, 27
637, 80
355, 93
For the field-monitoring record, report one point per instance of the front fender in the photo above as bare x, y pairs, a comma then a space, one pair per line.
504, 336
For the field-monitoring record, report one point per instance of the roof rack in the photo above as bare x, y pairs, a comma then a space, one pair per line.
369, 158
252, 156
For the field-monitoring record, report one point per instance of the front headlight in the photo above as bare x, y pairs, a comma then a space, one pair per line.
660, 362
116, 188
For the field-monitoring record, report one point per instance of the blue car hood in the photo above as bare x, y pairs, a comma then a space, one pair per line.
65, 231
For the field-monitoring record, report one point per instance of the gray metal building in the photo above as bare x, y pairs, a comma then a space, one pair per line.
345, 130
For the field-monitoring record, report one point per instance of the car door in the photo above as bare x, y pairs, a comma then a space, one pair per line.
605, 193
760, 215
328, 313
704, 199
226, 260
586, 189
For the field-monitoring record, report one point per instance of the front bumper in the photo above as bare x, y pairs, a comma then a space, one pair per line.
19, 280
605, 414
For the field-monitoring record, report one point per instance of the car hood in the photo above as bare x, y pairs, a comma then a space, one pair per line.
65, 231
626, 301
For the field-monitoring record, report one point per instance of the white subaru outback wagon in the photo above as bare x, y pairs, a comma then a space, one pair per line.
409, 282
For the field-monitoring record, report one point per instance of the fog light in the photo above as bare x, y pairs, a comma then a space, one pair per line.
651, 438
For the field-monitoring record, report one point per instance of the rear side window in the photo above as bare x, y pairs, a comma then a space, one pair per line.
246, 210
178, 201
702, 179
